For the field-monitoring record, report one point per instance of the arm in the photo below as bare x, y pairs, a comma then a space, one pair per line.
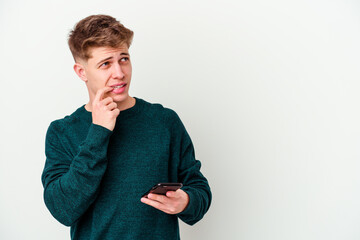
195, 184
191, 202
71, 183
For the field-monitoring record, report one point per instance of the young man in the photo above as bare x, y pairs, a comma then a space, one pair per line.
102, 158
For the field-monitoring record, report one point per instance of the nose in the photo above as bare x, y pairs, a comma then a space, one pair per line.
117, 71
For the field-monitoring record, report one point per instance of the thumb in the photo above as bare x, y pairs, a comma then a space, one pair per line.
170, 194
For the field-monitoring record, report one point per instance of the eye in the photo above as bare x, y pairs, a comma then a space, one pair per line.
104, 64
124, 59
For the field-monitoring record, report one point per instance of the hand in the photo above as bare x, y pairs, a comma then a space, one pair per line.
104, 111
173, 203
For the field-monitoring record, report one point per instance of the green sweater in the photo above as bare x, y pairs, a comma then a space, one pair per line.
94, 178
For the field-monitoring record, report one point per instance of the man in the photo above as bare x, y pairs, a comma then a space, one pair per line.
102, 158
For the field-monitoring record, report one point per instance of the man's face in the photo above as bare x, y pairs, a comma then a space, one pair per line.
108, 67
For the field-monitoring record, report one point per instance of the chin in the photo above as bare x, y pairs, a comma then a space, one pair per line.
120, 98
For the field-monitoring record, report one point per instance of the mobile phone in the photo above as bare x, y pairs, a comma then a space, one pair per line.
162, 188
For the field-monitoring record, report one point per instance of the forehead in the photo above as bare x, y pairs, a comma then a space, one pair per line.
102, 51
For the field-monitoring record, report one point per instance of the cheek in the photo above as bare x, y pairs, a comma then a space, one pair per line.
99, 80
128, 71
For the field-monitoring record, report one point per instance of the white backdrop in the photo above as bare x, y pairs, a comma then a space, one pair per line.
268, 90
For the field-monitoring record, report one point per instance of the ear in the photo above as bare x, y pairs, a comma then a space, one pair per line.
80, 71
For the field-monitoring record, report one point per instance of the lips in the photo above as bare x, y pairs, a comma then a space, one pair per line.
119, 88
118, 84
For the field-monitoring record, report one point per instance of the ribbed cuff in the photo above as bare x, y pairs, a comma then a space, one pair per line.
98, 137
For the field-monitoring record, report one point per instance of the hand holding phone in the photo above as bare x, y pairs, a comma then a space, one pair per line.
167, 197
162, 188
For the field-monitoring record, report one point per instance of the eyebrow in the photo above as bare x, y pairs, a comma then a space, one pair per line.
105, 59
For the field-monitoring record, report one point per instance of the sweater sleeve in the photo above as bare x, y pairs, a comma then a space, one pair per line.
71, 183
194, 182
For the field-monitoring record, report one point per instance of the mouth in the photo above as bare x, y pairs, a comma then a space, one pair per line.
119, 86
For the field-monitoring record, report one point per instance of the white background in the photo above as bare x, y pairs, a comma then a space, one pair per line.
268, 90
